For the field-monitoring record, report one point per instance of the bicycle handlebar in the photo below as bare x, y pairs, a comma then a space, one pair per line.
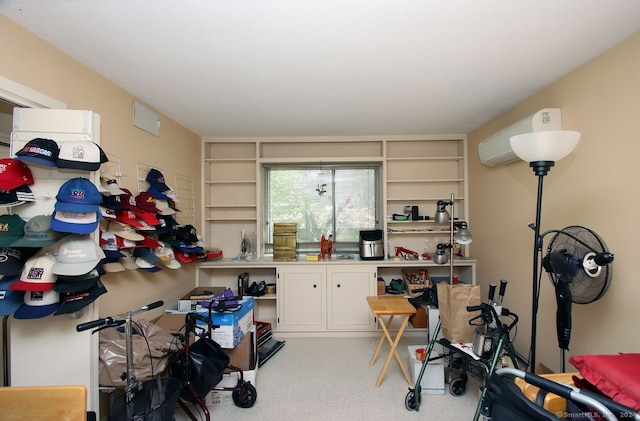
106, 321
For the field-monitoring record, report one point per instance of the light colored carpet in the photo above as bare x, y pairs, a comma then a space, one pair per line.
331, 379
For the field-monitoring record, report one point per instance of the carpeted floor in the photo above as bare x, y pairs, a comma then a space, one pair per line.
330, 379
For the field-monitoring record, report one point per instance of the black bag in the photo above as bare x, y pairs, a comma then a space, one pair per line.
204, 370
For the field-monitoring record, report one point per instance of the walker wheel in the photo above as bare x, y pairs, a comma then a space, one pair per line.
410, 400
458, 386
244, 395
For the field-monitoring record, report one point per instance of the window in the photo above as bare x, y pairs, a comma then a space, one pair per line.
337, 200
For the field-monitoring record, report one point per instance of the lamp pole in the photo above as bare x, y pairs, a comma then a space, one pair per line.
541, 168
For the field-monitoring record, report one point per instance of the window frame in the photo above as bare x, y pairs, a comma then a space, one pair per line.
313, 247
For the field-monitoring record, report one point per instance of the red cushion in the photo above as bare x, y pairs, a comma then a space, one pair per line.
617, 376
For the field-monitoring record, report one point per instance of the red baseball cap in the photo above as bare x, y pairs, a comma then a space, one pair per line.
13, 174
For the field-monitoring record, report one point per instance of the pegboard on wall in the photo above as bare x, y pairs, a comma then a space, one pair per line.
185, 199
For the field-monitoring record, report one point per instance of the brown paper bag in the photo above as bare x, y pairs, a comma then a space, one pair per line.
454, 317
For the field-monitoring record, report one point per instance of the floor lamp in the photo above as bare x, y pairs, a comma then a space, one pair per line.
462, 236
541, 150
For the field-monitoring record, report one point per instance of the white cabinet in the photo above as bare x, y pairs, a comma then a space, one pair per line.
348, 287
325, 297
302, 298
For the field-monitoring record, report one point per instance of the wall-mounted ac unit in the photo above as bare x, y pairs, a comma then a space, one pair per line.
496, 150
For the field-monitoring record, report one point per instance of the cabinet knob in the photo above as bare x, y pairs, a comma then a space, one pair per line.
314, 285
338, 285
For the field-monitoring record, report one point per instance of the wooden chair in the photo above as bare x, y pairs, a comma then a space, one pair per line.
60, 403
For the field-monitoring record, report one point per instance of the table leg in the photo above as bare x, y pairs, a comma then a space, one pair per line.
382, 337
393, 351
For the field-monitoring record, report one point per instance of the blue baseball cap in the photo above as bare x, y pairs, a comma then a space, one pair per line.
10, 300
78, 195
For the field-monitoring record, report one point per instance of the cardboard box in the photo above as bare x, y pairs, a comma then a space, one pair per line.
243, 355
433, 378
233, 325
419, 320
382, 287
193, 300
172, 323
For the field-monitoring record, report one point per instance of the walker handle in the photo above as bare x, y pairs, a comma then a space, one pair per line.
94, 323
153, 305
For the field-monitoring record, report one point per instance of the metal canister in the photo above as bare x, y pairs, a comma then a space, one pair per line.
483, 342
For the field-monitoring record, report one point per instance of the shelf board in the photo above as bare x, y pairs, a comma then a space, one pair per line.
416, 231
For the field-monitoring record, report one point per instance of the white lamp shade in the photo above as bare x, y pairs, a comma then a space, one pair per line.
551, 145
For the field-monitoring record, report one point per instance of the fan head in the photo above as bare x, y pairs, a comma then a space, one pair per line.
578, 258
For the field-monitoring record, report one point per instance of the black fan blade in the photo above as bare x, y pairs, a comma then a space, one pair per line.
563, 315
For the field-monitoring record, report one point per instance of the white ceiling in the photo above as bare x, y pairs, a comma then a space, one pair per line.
330, 67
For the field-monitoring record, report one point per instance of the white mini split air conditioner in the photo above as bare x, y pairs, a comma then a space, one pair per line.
496, 150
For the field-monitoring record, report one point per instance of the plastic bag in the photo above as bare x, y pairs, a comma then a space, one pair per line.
204, 369
148, 360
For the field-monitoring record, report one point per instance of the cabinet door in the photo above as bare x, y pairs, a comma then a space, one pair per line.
301, 298
348, 287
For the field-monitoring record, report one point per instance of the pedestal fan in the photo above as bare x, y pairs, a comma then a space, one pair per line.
579, 266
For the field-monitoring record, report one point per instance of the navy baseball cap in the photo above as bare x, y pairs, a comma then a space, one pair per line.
156, 179
74, 301
10, 299
78, 195
39, 151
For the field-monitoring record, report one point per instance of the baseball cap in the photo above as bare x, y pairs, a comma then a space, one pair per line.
149, 242
114, 202
112, 265
164, 208
109, 185
37, 274
109, 244
11, 229
12, 261
129, 260
156, 193
18, 196
167, 224
39, 151
127, 217
81, 155
77, 255
78, 195
38, 233
128, 199
38, 304
147, 266
146, 202
146, 254
124, 230
167, 257
187, 234
147, 218
83, 282
107, 213
185, 258
74, 301
10, 299
13, 174
156, 179
75, 222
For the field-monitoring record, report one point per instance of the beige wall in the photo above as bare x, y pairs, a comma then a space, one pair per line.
595, 187
29, 61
